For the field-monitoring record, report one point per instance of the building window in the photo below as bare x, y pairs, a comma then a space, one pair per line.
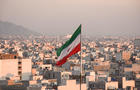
19, 67
15, 57
19, 62
19, 73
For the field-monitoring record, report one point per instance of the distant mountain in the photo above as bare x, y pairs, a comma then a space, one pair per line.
7, 28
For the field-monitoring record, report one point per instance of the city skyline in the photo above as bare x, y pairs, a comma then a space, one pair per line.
54, 17
69, 44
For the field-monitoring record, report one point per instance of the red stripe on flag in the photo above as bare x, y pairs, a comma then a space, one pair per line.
64, 59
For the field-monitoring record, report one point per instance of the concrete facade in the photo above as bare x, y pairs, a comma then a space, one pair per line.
71, 85
8, 68
11, 68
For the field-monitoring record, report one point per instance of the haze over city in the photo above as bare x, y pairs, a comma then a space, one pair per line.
69, 44
58, 17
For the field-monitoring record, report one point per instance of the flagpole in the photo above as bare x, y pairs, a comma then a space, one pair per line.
81, 59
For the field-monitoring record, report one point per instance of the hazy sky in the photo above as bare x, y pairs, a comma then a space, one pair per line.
98, 17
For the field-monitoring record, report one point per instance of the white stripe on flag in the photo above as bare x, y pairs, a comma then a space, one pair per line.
68, 49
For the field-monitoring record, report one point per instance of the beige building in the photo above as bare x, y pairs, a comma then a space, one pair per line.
128, 83
91, 77
112, 85
8, 68
11, 68
126, 55
71, 85
46, 66
135, 68
39, 77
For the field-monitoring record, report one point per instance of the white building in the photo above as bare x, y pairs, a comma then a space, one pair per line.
26, 69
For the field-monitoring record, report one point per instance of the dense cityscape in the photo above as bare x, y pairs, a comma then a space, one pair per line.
108, 63
69, 44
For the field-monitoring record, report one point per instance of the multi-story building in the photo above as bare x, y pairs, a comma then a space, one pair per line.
13, 68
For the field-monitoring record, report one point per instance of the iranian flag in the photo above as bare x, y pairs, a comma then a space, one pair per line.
72, 46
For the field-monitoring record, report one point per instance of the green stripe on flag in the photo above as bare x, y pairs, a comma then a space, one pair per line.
76, 33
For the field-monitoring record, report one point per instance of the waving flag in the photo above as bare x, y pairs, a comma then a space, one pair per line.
72, 46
